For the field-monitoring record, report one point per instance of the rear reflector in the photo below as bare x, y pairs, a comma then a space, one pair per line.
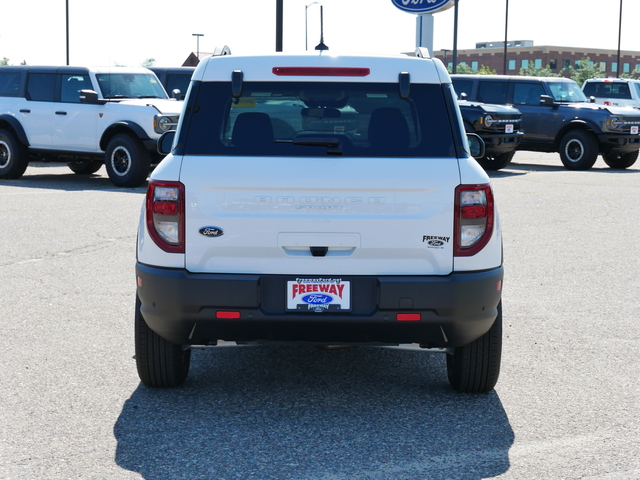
408, 317
227, 314
321, 71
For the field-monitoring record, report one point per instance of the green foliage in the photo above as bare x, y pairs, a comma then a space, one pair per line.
584, 71
149, 62
4, 61
463, 68
539, 72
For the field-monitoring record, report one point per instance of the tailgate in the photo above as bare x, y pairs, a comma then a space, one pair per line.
320, 216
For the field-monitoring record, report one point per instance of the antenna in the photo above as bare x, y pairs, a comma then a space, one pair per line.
321, 45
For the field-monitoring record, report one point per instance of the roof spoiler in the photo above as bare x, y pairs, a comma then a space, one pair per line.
220, 51
422, 52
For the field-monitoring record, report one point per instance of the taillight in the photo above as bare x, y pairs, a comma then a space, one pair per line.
165, 215
473, 219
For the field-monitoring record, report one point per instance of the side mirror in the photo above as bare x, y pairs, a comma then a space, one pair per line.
463, 96
176, 93
476, 145
592, 99
546, 100
89, 96
165, 142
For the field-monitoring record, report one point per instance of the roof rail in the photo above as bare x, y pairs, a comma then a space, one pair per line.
220, 51
422, 52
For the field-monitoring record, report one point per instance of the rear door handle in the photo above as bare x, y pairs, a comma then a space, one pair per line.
25, 111
61, 113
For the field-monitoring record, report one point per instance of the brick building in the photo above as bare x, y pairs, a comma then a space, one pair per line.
523, 54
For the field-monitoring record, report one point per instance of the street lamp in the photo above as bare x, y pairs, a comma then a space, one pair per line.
197, 35
306, 30
506, 25
619, 36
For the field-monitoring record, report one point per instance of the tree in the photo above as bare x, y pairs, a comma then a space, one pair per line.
584, 70
148, 63
539, 72
463, 68
4, 61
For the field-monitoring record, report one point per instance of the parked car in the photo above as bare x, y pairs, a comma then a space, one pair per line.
85, 117
174, 79
499, 128
556, 117
320, 199
619, 92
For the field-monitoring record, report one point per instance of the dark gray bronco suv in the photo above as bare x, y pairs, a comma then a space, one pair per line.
557, 117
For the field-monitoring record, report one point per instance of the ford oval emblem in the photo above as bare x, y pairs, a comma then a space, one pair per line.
435, 243
317, 299
211, 231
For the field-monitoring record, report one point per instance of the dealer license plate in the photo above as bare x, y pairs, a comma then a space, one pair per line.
319, 295
508, 128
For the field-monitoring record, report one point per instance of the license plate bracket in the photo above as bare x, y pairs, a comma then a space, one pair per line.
319, 295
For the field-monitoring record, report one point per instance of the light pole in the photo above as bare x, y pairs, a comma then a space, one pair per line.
197, 35
306, 30
67, 3
506, 24
619, 37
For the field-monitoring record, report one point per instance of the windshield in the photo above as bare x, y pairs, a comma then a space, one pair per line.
566, 92
130, 85
310, 119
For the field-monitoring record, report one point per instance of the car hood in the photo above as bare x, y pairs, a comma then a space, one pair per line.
163, 105
489, 107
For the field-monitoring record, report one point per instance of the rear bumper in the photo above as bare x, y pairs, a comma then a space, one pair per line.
454, 309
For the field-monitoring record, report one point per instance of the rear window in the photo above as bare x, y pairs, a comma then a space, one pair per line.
319, 119
10, 84
608, 90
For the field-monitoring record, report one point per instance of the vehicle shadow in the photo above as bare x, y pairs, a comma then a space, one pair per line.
522, 168
301, 412
57, 176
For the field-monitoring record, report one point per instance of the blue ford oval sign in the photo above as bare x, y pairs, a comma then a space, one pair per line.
423, 6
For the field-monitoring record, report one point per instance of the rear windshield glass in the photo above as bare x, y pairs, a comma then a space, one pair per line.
607, 90
317, 119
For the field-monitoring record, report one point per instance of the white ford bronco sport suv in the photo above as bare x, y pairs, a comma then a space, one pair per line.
84, 117
320, 199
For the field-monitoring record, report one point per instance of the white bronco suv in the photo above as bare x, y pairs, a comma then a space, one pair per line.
320, 199
84, 117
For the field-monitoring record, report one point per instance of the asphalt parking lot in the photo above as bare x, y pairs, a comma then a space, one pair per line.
565, 407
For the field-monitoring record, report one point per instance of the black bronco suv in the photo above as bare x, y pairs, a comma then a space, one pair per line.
557, 117
498, 126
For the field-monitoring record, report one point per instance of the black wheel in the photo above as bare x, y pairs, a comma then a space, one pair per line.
475, 368
496, 162
620, 161
160, 363
127, 161
85, 167
14, 158
578, 150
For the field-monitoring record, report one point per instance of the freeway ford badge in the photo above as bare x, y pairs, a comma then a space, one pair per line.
319, 295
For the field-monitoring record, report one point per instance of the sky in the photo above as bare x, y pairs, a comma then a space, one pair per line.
128, 32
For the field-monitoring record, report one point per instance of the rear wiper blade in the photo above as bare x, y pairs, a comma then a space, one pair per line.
334, 145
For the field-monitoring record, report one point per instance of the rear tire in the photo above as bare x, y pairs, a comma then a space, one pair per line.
161, 364
127, 161
620, 161
496, 162
84, 167
578, 150
475, 368
14, 157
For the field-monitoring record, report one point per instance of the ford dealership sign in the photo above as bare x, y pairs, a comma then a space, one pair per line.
423, 6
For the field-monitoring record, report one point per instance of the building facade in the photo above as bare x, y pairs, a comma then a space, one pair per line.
558, 59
